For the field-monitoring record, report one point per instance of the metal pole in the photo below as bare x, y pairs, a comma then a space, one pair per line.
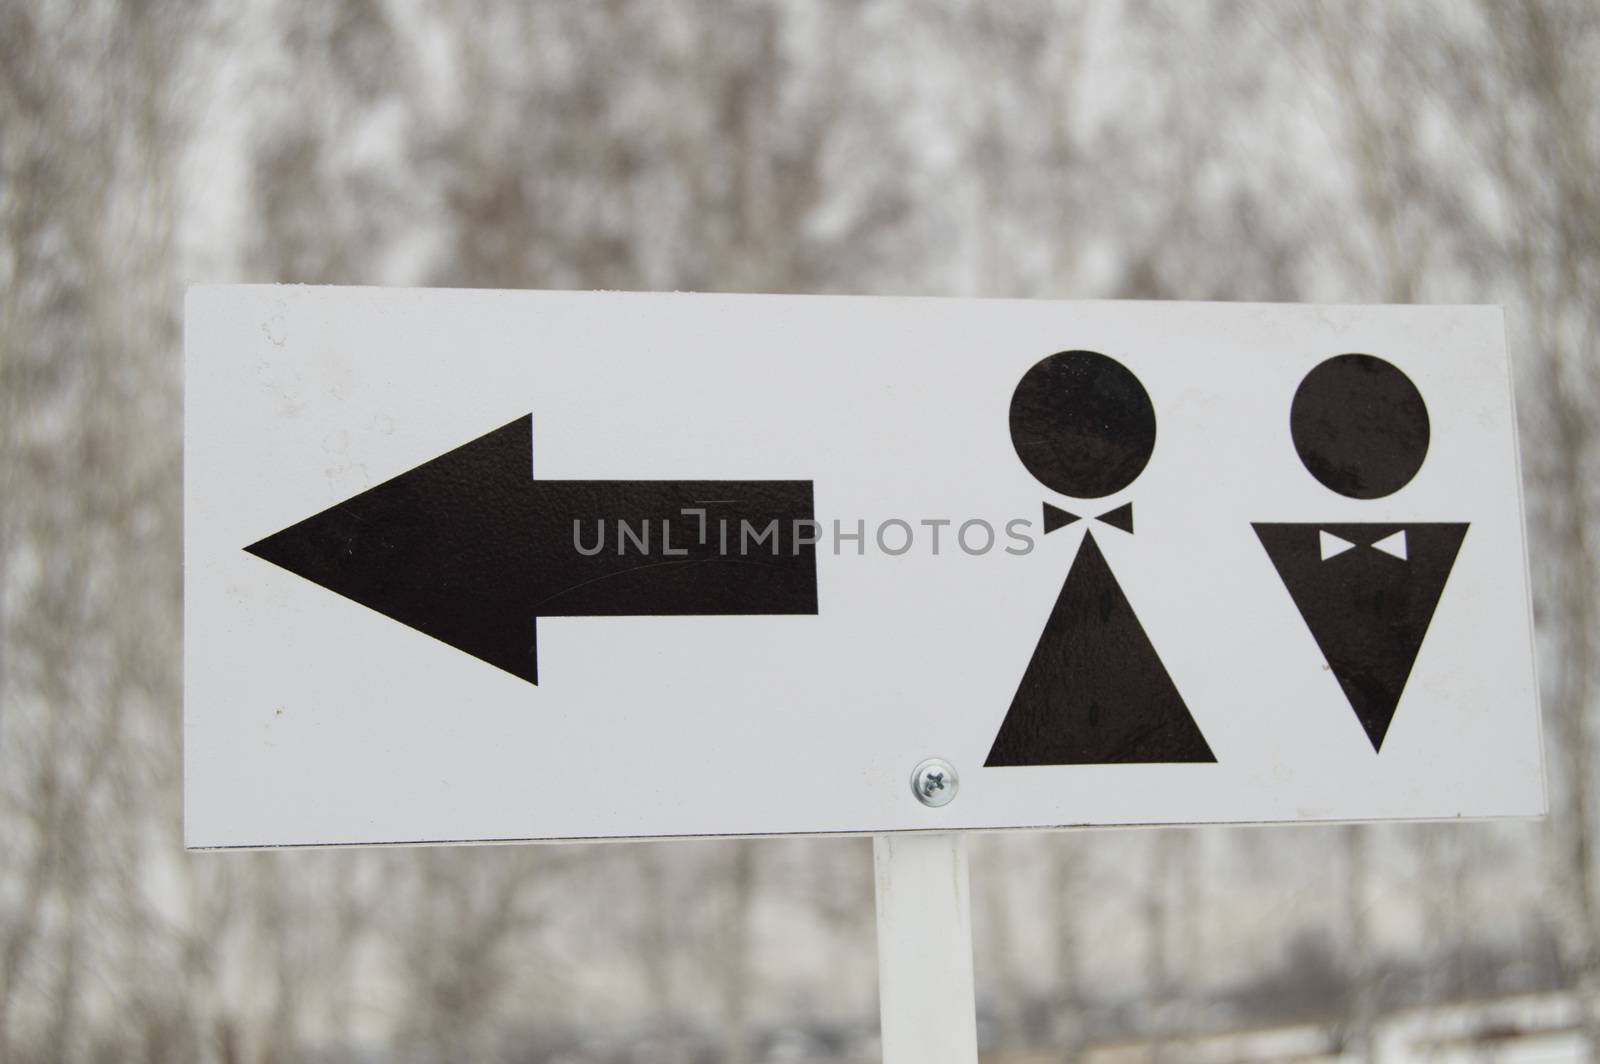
925, 995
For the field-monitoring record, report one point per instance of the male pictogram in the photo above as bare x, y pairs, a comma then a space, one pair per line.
1095, 691
1367, 591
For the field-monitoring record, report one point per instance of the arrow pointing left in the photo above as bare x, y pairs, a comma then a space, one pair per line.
470, 549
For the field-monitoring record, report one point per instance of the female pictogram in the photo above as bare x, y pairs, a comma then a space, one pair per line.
1367, 591
1095, 691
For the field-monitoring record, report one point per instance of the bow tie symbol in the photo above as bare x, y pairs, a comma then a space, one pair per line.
1120, 517
1332, 546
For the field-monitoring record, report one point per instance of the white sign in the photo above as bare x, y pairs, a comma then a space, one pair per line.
472, 565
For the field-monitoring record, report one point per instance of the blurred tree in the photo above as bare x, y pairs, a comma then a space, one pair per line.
1233, 149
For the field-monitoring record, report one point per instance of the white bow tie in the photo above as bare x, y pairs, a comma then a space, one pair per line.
1332, 545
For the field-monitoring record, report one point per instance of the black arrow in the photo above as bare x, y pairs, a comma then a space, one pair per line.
470, 549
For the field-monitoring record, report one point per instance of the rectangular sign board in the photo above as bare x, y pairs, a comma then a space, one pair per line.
471, 566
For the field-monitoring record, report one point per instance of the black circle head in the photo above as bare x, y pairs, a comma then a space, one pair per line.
1082, 424
1360, 426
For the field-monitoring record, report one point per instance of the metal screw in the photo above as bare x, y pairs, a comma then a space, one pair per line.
935, 782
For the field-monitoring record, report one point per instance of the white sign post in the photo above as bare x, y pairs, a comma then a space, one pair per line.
925, 995
465, 566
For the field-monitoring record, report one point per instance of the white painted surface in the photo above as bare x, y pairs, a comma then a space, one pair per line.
312, 720
925, 995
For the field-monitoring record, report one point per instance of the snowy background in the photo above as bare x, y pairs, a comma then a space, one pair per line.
1352, 152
